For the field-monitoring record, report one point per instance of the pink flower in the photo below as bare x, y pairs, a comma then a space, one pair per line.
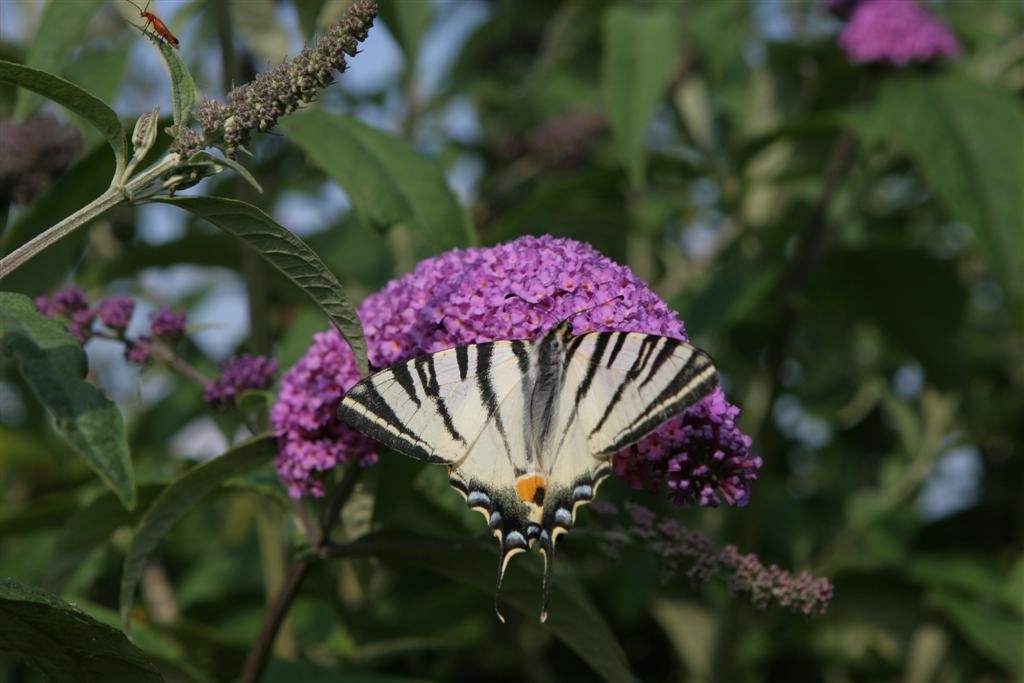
138, 351
516, 290
168, 326
238, 374
895, 32
116, 312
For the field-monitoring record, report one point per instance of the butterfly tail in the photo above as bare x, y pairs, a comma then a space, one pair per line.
512, 543
547, 548
502, 563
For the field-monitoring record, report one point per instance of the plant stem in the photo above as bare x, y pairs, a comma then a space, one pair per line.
811, 249
94, 209
178, 364
112, 197
257, 659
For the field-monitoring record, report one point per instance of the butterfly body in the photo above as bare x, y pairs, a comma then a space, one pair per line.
528, 427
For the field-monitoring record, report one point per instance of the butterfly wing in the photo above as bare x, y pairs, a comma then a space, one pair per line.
618, 387
463, 407
435, 407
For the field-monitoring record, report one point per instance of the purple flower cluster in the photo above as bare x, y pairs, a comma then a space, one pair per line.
72, 306
516, 290
310, 439
238, 374
675, 544
137, 351
116, 313
894, 32
702, 455
168, 326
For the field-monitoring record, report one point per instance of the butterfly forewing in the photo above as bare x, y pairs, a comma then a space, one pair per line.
436, 406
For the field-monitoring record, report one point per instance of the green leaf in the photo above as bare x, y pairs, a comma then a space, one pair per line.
90, 526
994, 633
573, 618
99, 72
408, 21
387, 181
57, 33
230, 163
53, 364
177, 499
641, 51
966, 138
288, 254
164, 650
66, 93
183, 89
65, 643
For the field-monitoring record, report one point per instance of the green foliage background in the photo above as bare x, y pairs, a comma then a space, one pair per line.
847, 242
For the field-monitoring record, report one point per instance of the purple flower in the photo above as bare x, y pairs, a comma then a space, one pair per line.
80, 325
238, 374
45, 306
310, 439
895, 32
168, 326
516, 290
68, 301
702, 454
673, 543
116, 312
137, 351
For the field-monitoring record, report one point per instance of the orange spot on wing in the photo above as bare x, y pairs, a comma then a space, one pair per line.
531, 488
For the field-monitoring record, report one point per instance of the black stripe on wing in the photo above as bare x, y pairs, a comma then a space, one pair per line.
427, 373
646, 348
695, 380
366, 410
600, 345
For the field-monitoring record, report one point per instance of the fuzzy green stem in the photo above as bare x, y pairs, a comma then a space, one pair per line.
114, 196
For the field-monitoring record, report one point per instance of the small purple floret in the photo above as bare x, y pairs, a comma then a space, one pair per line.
138, 351
116, 312
68, 301
168, 326
895, 32
80, 325
238, 374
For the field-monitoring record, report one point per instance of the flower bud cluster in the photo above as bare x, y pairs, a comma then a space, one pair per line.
114, 314
675, 544
256, 106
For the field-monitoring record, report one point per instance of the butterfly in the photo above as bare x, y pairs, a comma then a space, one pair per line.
528, 428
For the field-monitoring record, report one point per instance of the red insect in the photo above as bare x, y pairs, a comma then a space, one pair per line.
158, 25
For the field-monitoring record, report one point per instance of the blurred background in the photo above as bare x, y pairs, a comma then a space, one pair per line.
844, 234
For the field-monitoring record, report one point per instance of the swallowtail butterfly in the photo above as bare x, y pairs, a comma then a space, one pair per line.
528, 428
